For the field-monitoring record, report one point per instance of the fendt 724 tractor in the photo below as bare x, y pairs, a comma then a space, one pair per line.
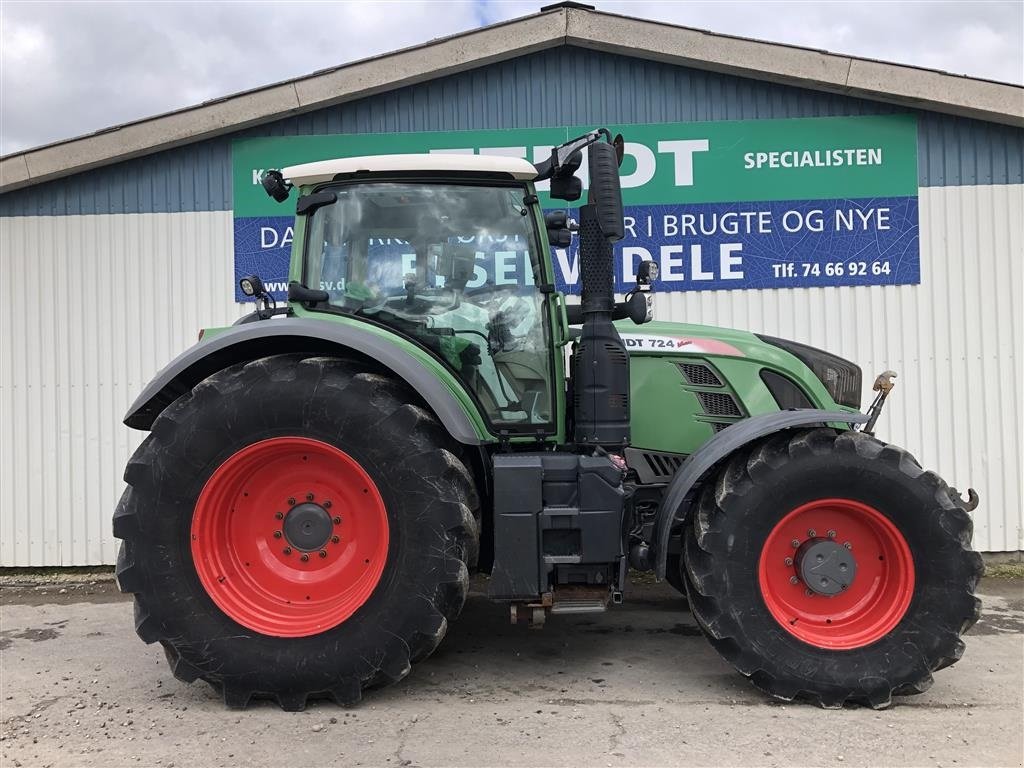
320, 479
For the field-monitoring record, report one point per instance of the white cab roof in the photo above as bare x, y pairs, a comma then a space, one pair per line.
325, 170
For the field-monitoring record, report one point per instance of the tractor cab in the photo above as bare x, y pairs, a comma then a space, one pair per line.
447, 253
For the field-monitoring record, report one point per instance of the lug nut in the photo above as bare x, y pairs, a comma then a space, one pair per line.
323, 553
794, 580
788, 561
279, 515
309, 497
277, 534
811, 533
848, 545
795, 543
327, 504
809, 592
305, 558
287, 550
291, 501
335, 539
336, 520
831, 534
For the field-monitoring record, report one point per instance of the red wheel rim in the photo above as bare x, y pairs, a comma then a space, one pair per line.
873, 603
282, 586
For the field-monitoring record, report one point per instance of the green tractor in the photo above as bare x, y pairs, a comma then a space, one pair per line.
320, 479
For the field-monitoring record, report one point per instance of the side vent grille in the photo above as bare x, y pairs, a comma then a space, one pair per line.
663, 464
653, 466
787, 394
718, 404
700, 375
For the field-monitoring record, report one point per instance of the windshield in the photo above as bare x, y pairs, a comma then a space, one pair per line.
454, 267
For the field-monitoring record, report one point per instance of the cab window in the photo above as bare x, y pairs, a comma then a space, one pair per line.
454, 267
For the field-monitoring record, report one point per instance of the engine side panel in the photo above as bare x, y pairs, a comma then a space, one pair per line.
690, 382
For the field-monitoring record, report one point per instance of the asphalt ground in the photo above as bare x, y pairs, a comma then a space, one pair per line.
635, 686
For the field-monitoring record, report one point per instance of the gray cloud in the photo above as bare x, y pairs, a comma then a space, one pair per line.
67, 68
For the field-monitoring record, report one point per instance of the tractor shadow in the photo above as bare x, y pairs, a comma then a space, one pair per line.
649, 643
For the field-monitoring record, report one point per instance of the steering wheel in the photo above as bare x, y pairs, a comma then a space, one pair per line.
422, 295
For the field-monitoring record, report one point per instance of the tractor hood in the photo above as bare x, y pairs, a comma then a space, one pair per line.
827, 380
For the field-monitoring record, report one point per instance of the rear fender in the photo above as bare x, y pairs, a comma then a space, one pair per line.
675, 504
251, 341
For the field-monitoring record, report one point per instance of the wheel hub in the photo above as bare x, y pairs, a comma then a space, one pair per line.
271, 548
815, 589
307, 527
825, 566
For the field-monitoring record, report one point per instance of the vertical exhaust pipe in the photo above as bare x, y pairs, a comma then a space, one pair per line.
601, 364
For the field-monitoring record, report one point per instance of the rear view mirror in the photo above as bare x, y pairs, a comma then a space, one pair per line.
564, 184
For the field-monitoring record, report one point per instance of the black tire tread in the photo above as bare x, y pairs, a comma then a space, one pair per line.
431, 451
709, 591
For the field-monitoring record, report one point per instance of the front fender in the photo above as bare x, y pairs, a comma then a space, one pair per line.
250, 341
675, 504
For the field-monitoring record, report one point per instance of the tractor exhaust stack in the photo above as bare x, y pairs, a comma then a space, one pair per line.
601, 375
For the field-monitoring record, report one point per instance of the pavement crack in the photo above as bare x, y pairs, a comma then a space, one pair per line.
615, 739
402, 734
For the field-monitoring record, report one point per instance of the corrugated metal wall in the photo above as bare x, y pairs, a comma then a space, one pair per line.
107, 275
91, 307
955, 341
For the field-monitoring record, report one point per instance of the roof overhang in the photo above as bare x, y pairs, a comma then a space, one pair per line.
907, 86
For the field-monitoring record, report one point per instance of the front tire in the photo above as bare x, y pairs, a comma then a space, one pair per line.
296, 527
898, 586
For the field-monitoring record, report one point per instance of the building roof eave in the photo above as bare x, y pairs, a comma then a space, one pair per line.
908, 86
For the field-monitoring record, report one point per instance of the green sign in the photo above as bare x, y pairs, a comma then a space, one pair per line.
718, 162
731, 204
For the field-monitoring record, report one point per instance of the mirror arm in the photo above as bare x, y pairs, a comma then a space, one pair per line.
545, 170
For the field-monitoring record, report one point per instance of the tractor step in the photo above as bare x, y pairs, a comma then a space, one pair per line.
580, 606
564, 600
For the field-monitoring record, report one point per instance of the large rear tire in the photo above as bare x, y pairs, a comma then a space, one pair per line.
296, 527
898, 587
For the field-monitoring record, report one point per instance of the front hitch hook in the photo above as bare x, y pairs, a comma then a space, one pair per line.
883, 386
972, 499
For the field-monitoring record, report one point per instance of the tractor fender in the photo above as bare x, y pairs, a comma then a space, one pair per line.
251, 341
675, 504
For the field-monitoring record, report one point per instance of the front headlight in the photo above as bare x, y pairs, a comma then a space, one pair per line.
840, 377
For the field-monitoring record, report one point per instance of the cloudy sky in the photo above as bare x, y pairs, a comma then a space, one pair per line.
68, 68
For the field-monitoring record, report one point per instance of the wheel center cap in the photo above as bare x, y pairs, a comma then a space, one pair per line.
307, 527
825, 566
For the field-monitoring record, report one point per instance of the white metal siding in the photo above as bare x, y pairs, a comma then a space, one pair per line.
955, 341
91, 307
